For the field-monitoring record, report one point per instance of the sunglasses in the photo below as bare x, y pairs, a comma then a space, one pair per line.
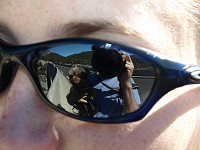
99, 96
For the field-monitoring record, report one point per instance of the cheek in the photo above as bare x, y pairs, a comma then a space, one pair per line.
172, 121
76, 134
98, 137
169, 125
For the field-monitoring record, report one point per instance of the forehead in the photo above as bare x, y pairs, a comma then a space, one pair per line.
29, 17
68, 9
40, 20
163, 25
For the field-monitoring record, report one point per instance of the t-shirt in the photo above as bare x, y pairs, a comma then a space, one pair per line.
107, 97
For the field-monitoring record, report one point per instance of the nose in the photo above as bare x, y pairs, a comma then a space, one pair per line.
25, 121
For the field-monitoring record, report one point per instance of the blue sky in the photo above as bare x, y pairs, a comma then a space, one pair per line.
66, 50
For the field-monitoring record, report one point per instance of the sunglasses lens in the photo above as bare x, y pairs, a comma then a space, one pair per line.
83, 79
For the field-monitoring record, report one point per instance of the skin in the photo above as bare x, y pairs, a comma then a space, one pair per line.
26, 122
76, 79
129, 101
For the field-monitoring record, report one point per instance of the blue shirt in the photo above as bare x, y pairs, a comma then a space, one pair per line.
107, 96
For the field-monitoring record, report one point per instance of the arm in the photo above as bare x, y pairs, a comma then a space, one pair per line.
130, 104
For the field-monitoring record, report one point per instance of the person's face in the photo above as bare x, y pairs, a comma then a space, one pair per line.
26, 122
75, 79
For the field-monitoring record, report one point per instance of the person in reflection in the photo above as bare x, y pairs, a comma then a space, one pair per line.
81, 93
115, 90
93, 96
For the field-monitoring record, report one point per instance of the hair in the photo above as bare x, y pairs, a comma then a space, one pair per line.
77, 71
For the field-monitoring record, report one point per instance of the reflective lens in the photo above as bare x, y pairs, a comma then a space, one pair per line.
70, 78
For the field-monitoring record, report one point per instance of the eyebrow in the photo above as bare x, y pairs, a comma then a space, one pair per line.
82, 28
77, 29
74, 29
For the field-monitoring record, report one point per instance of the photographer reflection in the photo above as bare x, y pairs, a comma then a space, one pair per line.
130, 104
81, 94
115, 90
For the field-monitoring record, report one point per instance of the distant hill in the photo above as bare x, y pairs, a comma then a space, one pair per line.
84, 58
81, 58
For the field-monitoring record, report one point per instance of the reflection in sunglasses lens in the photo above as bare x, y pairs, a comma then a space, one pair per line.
97, 92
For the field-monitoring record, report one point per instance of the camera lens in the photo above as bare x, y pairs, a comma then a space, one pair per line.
107, 62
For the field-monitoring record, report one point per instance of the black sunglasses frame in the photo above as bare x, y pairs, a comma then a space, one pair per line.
169, 74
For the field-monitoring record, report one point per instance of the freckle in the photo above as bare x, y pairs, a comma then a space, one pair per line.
144, 141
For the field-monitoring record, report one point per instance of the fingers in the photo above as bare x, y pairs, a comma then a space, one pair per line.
129, 64
128, 58
83, 99
129, 67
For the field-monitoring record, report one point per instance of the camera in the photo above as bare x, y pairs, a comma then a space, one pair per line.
107, 62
